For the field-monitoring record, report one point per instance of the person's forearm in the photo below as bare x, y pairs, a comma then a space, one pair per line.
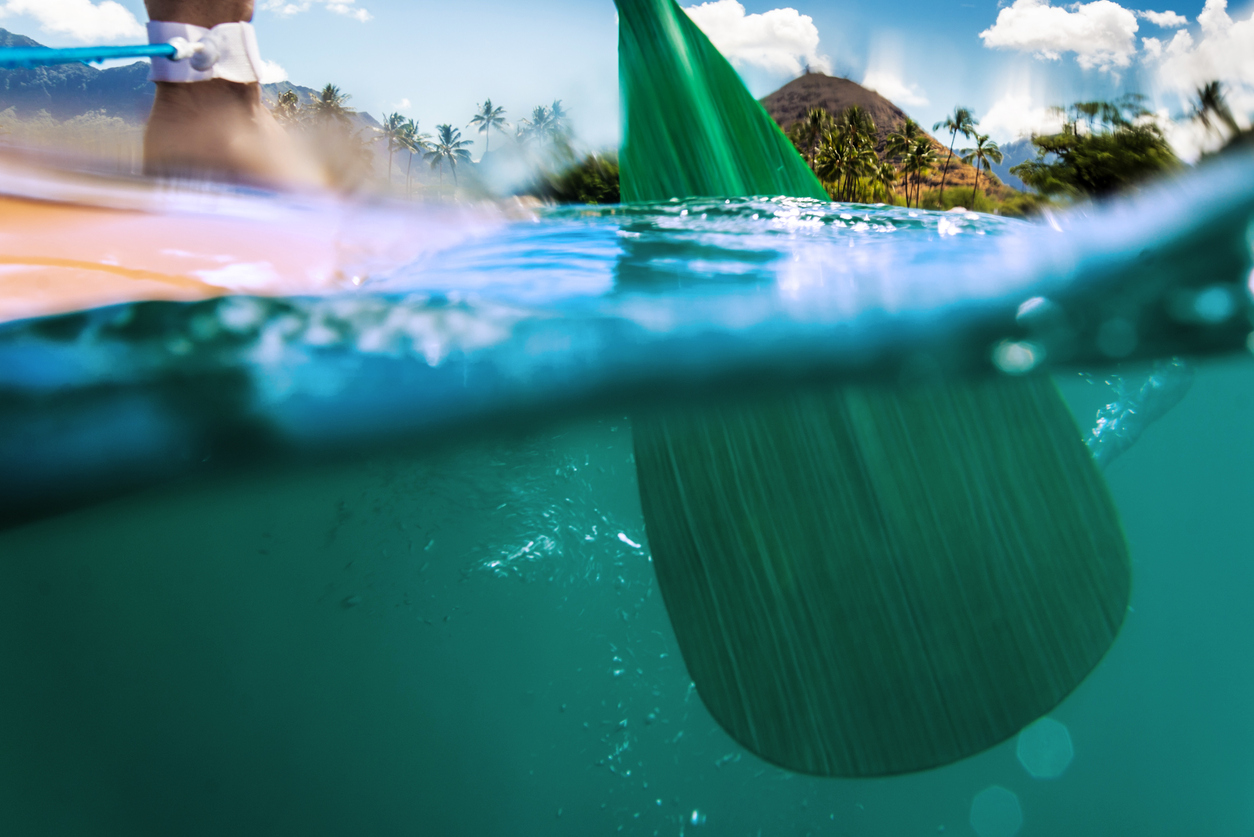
207, 13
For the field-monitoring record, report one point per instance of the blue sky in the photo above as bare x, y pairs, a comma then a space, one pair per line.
1008, 61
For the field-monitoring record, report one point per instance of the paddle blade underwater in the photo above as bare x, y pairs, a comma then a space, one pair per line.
863, 581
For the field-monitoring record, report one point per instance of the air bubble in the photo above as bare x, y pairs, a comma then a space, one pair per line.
1044, 749
1214, 305
1042, 314
1017, 358
995, 812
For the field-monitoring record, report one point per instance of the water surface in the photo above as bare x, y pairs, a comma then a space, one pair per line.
260, 577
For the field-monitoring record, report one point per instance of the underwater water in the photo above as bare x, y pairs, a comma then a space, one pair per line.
372, 560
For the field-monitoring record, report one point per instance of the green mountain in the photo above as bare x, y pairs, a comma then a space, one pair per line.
68, 90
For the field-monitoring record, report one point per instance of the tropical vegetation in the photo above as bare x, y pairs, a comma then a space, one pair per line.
329, 127
1212, 110
327, 120
808, 132
546, 125
961, 121
111, 141
331, 105
448, 149
287, 109
846, 156
1103, 148
858, 162
981, 156
393, 131
487, 118
594, 180
415, 142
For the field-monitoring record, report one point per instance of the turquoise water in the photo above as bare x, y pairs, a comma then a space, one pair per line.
465, 644
373, 562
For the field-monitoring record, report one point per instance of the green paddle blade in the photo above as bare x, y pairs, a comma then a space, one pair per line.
873, 581
690, 127
870, 582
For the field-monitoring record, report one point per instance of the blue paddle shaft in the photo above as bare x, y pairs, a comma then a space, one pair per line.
18, 57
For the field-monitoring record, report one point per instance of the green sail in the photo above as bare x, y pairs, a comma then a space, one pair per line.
863, 581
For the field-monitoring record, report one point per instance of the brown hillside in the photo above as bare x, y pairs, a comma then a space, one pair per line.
790, 103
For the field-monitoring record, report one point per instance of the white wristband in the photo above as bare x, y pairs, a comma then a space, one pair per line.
227, 51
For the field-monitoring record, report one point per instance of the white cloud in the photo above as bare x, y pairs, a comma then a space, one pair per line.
1164, 20
1017, 115
889, 85
287, 8
403, 106
1188, 137
1102, 34
1021, 98
272, 72
780, 42
885, 72
1223, 51
81, 20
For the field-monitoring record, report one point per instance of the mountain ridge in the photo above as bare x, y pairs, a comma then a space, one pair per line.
68, 90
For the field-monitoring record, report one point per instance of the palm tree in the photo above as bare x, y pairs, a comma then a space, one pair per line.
330, 104
415, 143
557, 121
858, 129
983, 155
807, 133
899, 143
845, 155
486, 119
901, 140
449, 147
858, 121
287, 108
918, 163
1212, 107
883, 177
831, 161
538, 126
961, 121
545, 123
394, 131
